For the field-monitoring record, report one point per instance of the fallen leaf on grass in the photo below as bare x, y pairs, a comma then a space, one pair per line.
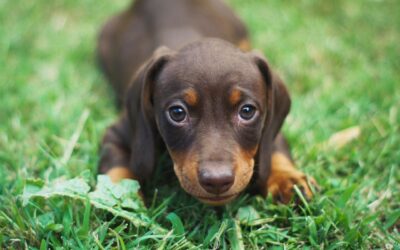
247, 214
121, 199
344, 137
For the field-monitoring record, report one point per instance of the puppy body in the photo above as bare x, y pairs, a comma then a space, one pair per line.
215, 108
130, 38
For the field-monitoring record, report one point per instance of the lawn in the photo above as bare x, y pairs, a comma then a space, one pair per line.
341, 62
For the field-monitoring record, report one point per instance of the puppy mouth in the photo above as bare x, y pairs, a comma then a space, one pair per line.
217, 200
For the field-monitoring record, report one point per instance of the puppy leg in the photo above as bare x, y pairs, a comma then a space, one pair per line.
119, 173
115, 152
284, 175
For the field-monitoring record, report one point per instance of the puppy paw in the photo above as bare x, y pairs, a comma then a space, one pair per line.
119, 173
281, 185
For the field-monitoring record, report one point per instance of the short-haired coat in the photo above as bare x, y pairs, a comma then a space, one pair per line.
187, 82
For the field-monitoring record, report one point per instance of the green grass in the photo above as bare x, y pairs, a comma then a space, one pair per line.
341, 61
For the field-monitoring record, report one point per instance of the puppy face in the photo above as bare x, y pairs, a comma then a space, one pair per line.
210, 106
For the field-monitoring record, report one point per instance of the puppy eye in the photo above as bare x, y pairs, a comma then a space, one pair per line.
247, 112
177, 113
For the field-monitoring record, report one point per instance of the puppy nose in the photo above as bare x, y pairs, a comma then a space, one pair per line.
216, 182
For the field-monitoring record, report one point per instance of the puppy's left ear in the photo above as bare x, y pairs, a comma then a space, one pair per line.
139, 105
278, 107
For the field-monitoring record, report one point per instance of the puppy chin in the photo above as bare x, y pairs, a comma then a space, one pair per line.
217, 201
211, 200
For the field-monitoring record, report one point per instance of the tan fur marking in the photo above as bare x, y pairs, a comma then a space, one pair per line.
244, 166
191, 97
235, 96
284, 176
244, 45
249, 154
116, 174
186, 169
280, 161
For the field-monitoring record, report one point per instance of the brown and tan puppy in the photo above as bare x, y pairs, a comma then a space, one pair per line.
213, 105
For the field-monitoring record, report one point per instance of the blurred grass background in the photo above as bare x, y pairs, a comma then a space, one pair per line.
341, 61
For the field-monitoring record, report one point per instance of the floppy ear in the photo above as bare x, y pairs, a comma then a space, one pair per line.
278, 106
145, 138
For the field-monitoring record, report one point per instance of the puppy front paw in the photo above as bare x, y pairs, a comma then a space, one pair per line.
281, 185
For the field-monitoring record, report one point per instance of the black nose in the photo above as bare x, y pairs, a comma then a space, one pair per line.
216, 181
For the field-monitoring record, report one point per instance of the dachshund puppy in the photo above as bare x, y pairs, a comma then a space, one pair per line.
187, 83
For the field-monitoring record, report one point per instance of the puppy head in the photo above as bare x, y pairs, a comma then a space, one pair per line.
211, 104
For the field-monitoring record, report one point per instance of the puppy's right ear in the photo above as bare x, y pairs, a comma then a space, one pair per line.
140, 112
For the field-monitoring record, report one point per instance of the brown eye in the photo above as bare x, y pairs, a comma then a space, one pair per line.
177, 113
247, 112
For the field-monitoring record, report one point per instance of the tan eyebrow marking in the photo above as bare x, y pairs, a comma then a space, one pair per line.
244, 45
191, 97
235, 96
